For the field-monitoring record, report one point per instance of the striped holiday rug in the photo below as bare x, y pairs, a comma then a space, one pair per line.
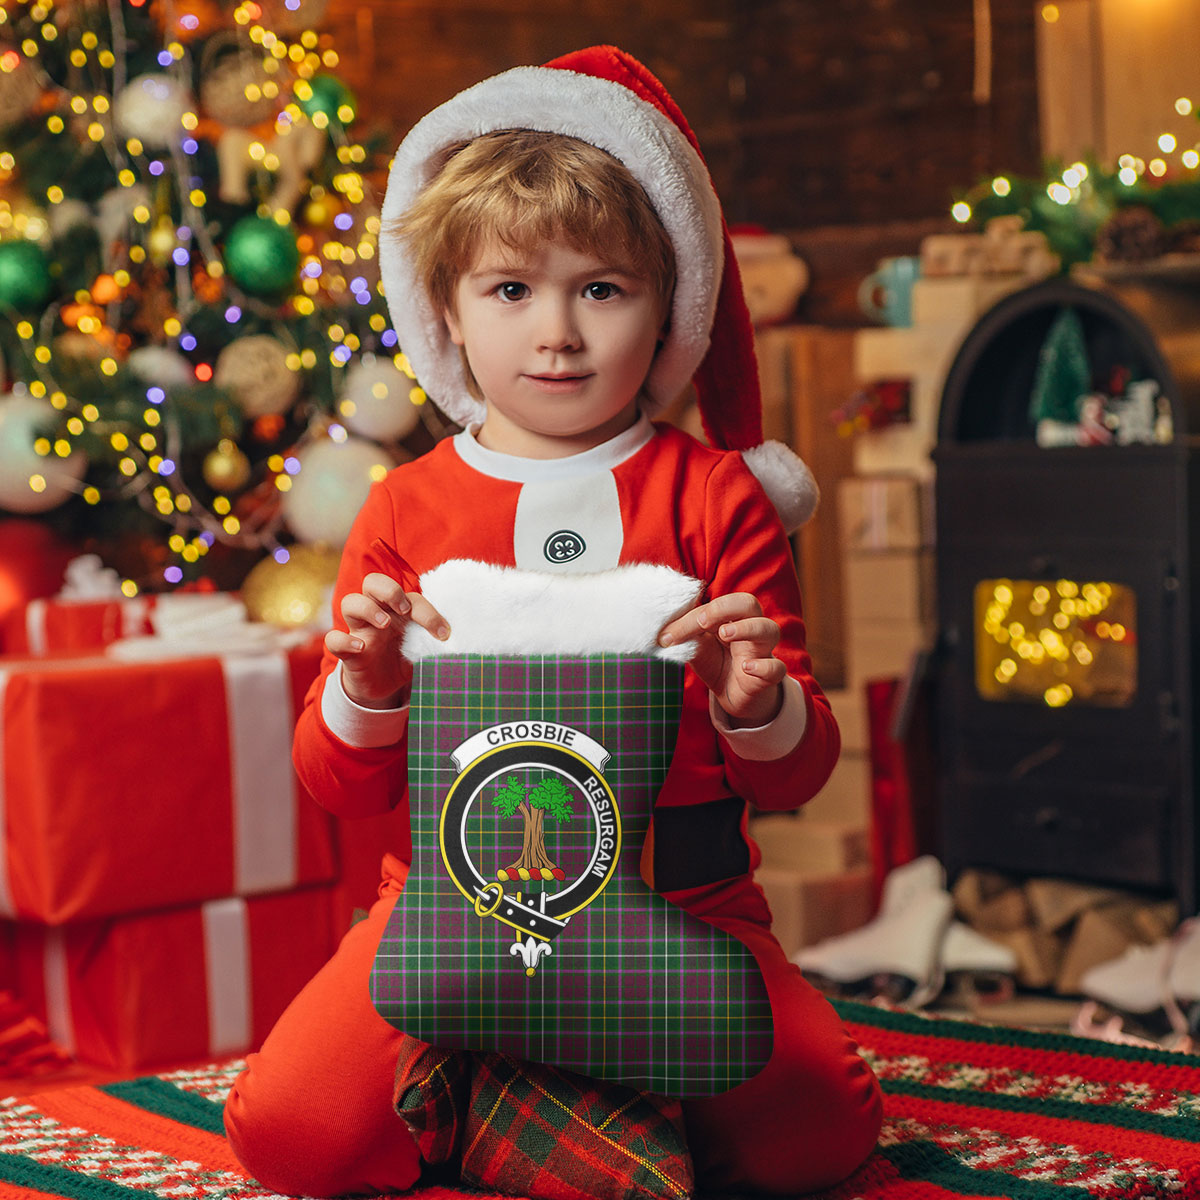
972, 1110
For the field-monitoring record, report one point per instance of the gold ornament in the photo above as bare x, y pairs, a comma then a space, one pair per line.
236, 87
226, 468
317, 213
20, 88
162, 242
80, 348
295, 593
255, 370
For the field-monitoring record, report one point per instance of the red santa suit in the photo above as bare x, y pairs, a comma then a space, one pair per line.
651, 495
313, 1111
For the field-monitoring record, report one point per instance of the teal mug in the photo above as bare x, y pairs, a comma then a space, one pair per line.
886, 294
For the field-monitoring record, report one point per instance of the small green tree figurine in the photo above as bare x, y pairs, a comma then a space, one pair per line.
1064, 375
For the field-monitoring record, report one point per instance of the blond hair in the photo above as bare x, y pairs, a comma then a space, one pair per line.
520, 188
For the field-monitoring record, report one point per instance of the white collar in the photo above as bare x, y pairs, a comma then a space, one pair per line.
514, 469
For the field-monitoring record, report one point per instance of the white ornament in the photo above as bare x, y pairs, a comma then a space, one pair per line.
151, 108
228, 84
114, 219
299, 148
162, 366
330, 488
20, 90
375, 400
66, 215
23, 419
255, 370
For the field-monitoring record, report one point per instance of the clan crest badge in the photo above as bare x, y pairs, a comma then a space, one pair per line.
535, 772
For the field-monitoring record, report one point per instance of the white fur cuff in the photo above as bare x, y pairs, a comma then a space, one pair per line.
503, 610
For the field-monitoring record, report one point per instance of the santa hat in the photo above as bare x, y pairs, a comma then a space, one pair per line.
607, 98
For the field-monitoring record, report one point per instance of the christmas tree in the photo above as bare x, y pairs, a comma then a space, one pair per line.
196, 356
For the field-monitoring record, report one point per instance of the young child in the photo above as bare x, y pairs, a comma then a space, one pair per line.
557, 267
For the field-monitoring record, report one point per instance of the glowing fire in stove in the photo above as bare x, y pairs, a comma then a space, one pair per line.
1056, 641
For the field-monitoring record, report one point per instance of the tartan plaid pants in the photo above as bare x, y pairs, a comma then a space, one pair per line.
525, 926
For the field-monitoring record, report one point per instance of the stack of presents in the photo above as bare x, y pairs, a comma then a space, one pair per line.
166, 884
823, 869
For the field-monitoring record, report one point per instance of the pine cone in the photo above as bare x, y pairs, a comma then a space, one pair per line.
1132, 234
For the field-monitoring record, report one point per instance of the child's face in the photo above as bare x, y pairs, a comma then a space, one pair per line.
559, 342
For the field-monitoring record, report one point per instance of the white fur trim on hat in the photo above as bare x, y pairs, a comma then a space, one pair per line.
786, 479
604, 114
506, 610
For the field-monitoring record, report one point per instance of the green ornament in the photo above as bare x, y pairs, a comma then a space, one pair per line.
1064, 375
262, 256
329, 95
24, 275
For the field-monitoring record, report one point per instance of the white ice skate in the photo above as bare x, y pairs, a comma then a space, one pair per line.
1134, 982
898, 953
979, 965
1156, 987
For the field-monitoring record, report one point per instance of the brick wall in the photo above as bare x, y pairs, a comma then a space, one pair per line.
810, 113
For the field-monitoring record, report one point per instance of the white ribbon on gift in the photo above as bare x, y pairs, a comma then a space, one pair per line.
258, 695
132, 615
56, 980
35, 626
226, 973
86, 581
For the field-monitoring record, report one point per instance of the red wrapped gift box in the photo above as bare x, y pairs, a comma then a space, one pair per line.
173, 987
49, 626
130, 786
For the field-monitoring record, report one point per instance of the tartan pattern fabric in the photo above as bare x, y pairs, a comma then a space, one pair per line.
529, 1130
633, 989
534, 1131
432, 1089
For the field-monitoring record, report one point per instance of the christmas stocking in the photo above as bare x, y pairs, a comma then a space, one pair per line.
525, 926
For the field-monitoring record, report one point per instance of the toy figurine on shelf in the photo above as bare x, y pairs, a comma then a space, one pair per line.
1067, 410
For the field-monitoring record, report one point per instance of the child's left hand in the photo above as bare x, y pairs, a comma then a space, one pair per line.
734, 655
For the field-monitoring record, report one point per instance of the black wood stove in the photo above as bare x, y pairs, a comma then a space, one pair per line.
1067, 665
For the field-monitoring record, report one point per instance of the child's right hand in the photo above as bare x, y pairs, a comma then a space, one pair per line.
374, 674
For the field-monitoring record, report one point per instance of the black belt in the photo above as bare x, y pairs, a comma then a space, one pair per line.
696, 844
